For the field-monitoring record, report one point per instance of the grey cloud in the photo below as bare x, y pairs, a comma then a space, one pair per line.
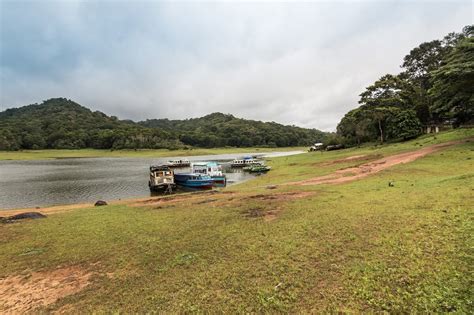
294, 63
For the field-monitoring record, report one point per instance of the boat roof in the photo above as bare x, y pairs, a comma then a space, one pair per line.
189, 174
159, 167
205, 163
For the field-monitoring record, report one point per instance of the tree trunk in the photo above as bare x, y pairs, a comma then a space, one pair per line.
381, 131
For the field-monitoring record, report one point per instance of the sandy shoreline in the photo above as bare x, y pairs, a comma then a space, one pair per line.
65, 208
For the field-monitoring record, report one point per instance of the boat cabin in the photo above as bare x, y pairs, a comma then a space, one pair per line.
161, 178
207, 168
179, 163
246, 161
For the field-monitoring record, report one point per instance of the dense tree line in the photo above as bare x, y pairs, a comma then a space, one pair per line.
63, 124
436, 86
219, 130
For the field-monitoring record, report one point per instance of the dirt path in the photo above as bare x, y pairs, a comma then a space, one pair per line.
364, 170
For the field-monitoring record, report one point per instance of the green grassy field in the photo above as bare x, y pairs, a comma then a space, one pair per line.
358, 247
89, 153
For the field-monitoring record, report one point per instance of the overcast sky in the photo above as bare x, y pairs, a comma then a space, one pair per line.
295, 63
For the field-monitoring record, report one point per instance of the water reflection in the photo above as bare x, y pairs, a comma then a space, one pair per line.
64, 181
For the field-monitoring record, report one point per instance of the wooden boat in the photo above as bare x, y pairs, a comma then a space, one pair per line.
257, 168
246, 161
179, 163
212, 169
194, 180
161, 178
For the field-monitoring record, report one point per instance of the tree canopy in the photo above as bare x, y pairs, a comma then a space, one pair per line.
436, 85
63, 124
453, 84
217, 130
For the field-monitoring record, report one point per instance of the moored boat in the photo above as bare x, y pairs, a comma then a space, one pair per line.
179, 163
257, 168
212, 169
246, 161
194, 180
161, 178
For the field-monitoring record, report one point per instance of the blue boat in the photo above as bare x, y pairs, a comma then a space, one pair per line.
194, 180
212, 169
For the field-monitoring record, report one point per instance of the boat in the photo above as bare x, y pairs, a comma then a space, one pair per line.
246, 161
257, 168
193, 180
179, 163
212, 169
161, 178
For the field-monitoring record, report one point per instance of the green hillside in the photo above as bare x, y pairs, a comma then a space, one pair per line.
218, 130
63, 124
60, 123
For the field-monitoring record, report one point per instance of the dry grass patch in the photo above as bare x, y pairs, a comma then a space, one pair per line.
282, 196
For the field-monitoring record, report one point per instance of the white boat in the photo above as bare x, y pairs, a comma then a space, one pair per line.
161, 178
246, 161
210, 168
179, 163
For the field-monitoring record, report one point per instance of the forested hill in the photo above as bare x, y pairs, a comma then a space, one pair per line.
60, 123
63, 124
217, 130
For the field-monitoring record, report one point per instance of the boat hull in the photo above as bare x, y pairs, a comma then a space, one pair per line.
193, 182
257, 169
161, 187
196, 183
175, 165
219, 181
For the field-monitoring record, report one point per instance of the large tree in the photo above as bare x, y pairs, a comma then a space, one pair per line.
419, 66
388, 91
453, 84
438, 78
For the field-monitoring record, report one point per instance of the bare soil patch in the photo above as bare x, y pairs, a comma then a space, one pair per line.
354, 158
47, 210
266, 215
20, 294
361, 171
272, 203
198, 197
282, 196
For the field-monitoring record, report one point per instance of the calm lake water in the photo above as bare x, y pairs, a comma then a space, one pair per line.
65, 181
